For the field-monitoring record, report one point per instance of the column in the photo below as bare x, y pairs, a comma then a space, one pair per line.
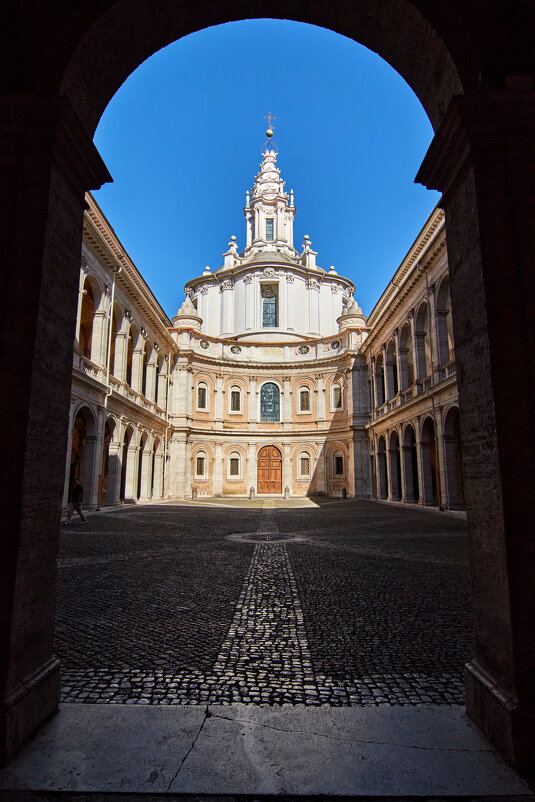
313, 290
94, 499
146, 465
219, 400
388, 462
252, 468
114, 474
249, 303
157, 486
320, 398
377, 471
286, 403
227, 321
151, 377
253, 404
431, 300
286, 468
321, 478
441, 459
374, 384
119, 364
99, 339
130, 488
50, 161
218, 470
161, 378
394, 490
137, 367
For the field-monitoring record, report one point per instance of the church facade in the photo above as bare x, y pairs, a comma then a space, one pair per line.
269, 381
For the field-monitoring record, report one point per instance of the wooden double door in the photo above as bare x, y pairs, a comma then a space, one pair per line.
269, 470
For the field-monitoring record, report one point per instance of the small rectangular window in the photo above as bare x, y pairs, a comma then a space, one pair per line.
235, 401
234, 468
201, 397
200, 466
305, 466
270, 227
337, 397
304, 400
338, 466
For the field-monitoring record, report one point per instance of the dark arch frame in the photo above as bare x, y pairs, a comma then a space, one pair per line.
474, 81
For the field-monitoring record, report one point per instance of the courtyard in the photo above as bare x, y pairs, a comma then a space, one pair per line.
334, 603
272, 647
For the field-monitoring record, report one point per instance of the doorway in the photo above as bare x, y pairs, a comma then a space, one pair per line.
269, 470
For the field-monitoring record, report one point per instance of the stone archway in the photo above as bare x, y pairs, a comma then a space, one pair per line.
269, 467
69, 62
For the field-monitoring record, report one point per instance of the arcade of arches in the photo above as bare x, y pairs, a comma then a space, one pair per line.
472, 67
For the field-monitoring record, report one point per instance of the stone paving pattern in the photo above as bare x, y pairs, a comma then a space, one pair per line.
157, 606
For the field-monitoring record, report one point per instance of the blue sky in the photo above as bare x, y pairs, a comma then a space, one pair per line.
183, 136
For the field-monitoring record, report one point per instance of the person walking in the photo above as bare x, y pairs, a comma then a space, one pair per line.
75, 505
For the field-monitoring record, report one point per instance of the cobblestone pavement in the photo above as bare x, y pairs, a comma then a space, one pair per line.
343, 604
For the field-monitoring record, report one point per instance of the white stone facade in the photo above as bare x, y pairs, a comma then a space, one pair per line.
269, 380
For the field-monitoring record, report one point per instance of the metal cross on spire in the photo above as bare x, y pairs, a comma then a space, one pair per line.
269, 117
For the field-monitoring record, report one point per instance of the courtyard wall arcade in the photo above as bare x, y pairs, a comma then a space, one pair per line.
472, 66
414, 426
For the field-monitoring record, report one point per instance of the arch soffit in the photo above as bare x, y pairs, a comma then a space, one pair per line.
114, 427
382, 437
442, 293
96, 289
449, 411
405, 333
127, 32
394, 434
90, 418
129, 430
421, 314
405, 431
426, 424
119, 318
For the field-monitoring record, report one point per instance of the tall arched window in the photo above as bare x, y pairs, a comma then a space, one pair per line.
304, 399
202, 396
200, 465
338, 464
234, 466
336, 397
235, 400
269, 403
304, 464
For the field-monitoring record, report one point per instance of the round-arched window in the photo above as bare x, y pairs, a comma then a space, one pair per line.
234, 466
269, 403
200, 465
